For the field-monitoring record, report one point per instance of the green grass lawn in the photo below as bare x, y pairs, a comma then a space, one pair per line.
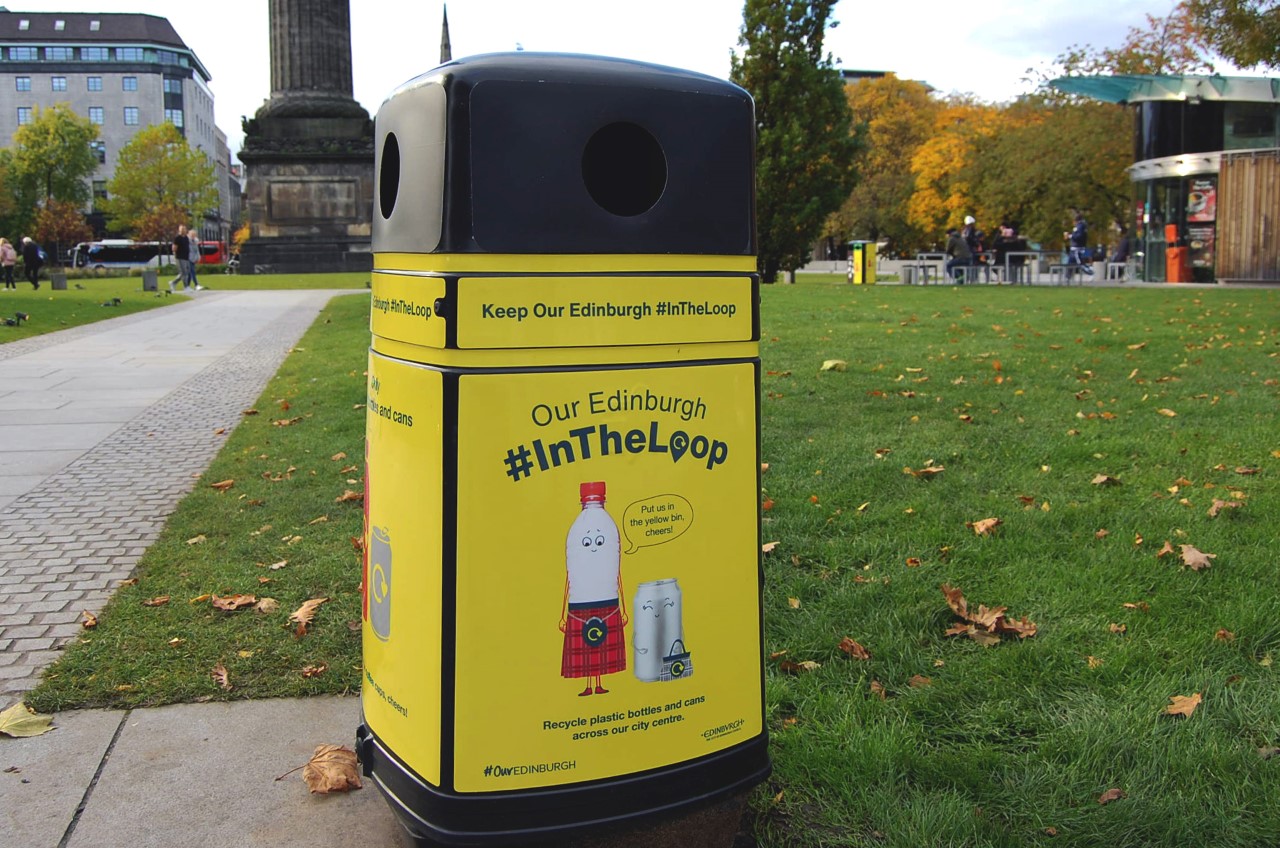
82, 302
1023, 396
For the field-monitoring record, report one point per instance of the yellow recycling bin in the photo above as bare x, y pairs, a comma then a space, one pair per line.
562, 623
862, 263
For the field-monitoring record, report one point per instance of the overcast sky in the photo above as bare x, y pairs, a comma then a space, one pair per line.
980, 48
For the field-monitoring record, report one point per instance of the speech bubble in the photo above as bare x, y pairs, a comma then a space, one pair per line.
656, 520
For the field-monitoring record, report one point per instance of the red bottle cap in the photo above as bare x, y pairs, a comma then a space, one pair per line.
591, 492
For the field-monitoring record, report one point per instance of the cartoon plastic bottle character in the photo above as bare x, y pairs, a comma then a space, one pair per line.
593, 614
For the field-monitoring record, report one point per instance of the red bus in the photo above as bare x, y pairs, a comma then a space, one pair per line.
213, 253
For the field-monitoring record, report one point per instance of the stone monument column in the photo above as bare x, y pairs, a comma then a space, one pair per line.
308, 151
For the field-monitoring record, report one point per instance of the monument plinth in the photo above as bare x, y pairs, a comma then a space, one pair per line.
308, 151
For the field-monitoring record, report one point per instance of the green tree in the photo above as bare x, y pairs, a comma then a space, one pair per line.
894, 117
1049, 157
157, 170
51, 159
13, 218
804, 145
1245, 31
60, 224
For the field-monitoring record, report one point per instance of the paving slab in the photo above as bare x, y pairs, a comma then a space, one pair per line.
43, 778
205, 774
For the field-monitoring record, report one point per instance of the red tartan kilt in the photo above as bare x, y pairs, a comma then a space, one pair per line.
580, 659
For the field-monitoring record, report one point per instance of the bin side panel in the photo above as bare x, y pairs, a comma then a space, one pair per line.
401, 691
572, 666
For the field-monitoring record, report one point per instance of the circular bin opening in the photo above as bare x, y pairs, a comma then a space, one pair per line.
624, 169
389, 177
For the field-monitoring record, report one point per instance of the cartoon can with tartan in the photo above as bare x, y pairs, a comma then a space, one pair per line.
593, 614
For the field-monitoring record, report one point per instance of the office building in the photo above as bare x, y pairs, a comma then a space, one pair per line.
123, 72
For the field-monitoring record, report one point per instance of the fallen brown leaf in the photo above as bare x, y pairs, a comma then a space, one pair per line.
797, 667
222, 486
267, 605
1219, 505
197, 540
768, 547
304, 614
314, 670
794, 603
1165, 550
337, 457
1246, 470
233, 602
984, 527
1105, 480
348, 496
877, 689
1194, 559
919, 681
924, 473
156, 602
1118, 628
88, 620
1183, 705
853, 649
332, 768
1224, 635
219, 675
1111, 795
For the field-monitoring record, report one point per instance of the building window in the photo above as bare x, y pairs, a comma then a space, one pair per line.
167, 57
128, 54
58, 83
59, 26
172, 86
100, 189
1250, 125
24, 115
59, 54
24, 54
129, 83
95, 54
99, 149
94, 26
22, 83
174, 116
96, 115
24, 25
94, 84
131, 116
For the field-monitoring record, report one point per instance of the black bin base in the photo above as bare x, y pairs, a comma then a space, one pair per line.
434, 817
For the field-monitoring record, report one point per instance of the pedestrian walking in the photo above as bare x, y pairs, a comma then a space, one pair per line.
193, 258
182, 253
1079, 256
8, 258
32, 259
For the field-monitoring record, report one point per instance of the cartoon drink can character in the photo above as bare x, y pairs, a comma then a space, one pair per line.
658, 625
593, 614
379, 587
